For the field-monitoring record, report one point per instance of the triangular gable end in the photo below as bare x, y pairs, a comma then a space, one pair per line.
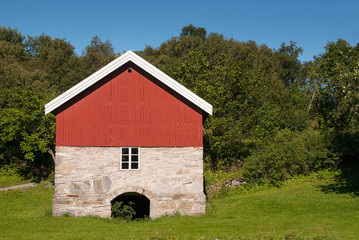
115, 64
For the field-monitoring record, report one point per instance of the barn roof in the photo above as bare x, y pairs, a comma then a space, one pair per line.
129, 56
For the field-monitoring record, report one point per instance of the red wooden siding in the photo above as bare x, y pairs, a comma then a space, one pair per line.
129, 109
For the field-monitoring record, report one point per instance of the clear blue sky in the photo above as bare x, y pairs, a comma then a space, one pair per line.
130, 25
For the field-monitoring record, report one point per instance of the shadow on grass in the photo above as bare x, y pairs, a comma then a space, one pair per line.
347, 182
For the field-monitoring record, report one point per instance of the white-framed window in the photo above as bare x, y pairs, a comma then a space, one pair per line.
130, 158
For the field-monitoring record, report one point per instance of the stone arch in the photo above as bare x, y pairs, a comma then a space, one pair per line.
141, 204
133, 190
116, 192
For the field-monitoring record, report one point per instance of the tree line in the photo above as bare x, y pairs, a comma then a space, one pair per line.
274, 116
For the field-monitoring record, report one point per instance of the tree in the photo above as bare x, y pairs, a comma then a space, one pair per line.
54, 57
96, 55
26, 134
334, 81
336, 76
250, 87
289, 65
290, 153
11, 35
32, 71
191, 30
265, 100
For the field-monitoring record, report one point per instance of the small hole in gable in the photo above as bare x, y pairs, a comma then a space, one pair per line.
129, 70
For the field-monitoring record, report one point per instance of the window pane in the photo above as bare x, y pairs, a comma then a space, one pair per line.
134, 165
134, 150
124, 150
125, 158
125, 165
134, 158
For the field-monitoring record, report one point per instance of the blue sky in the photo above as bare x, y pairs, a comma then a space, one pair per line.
130, 25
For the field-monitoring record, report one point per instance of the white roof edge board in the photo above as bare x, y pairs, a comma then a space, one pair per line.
115, 64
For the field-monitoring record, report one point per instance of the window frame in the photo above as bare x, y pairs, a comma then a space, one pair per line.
130, 155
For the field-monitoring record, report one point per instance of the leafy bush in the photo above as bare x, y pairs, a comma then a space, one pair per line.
123, 211
7, 170
290, 153
66, 214
26, 134
51, 177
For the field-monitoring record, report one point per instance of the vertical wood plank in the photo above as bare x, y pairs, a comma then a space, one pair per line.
129, 110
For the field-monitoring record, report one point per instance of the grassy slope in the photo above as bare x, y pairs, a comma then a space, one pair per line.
301, 209
6, 181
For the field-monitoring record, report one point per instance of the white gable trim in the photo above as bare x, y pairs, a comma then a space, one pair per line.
115, 64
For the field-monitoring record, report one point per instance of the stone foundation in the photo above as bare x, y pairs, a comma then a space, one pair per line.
88, 178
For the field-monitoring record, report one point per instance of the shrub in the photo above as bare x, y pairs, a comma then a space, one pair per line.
7, 170
51, 177
289, 153
123, 211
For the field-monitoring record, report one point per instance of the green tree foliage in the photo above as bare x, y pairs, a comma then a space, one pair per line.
263, 103
273, 115
12, 55
96, 55
26, 134
337, 73
254, 89
55, 58
290, 68
12, 36
191, 30
33, 71
288, 154
334, 84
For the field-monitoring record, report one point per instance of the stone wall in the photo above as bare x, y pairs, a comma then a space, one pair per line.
88, 178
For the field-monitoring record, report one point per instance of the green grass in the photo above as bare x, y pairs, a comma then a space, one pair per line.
6, 181
299, 210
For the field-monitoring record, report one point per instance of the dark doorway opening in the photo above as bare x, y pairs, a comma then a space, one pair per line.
141, 204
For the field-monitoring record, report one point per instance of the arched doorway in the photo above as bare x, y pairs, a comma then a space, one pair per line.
141, 204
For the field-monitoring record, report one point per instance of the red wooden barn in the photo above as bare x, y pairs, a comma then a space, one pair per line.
129, 132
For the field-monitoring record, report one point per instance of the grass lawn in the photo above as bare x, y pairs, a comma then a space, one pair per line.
6, 181
299, 210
